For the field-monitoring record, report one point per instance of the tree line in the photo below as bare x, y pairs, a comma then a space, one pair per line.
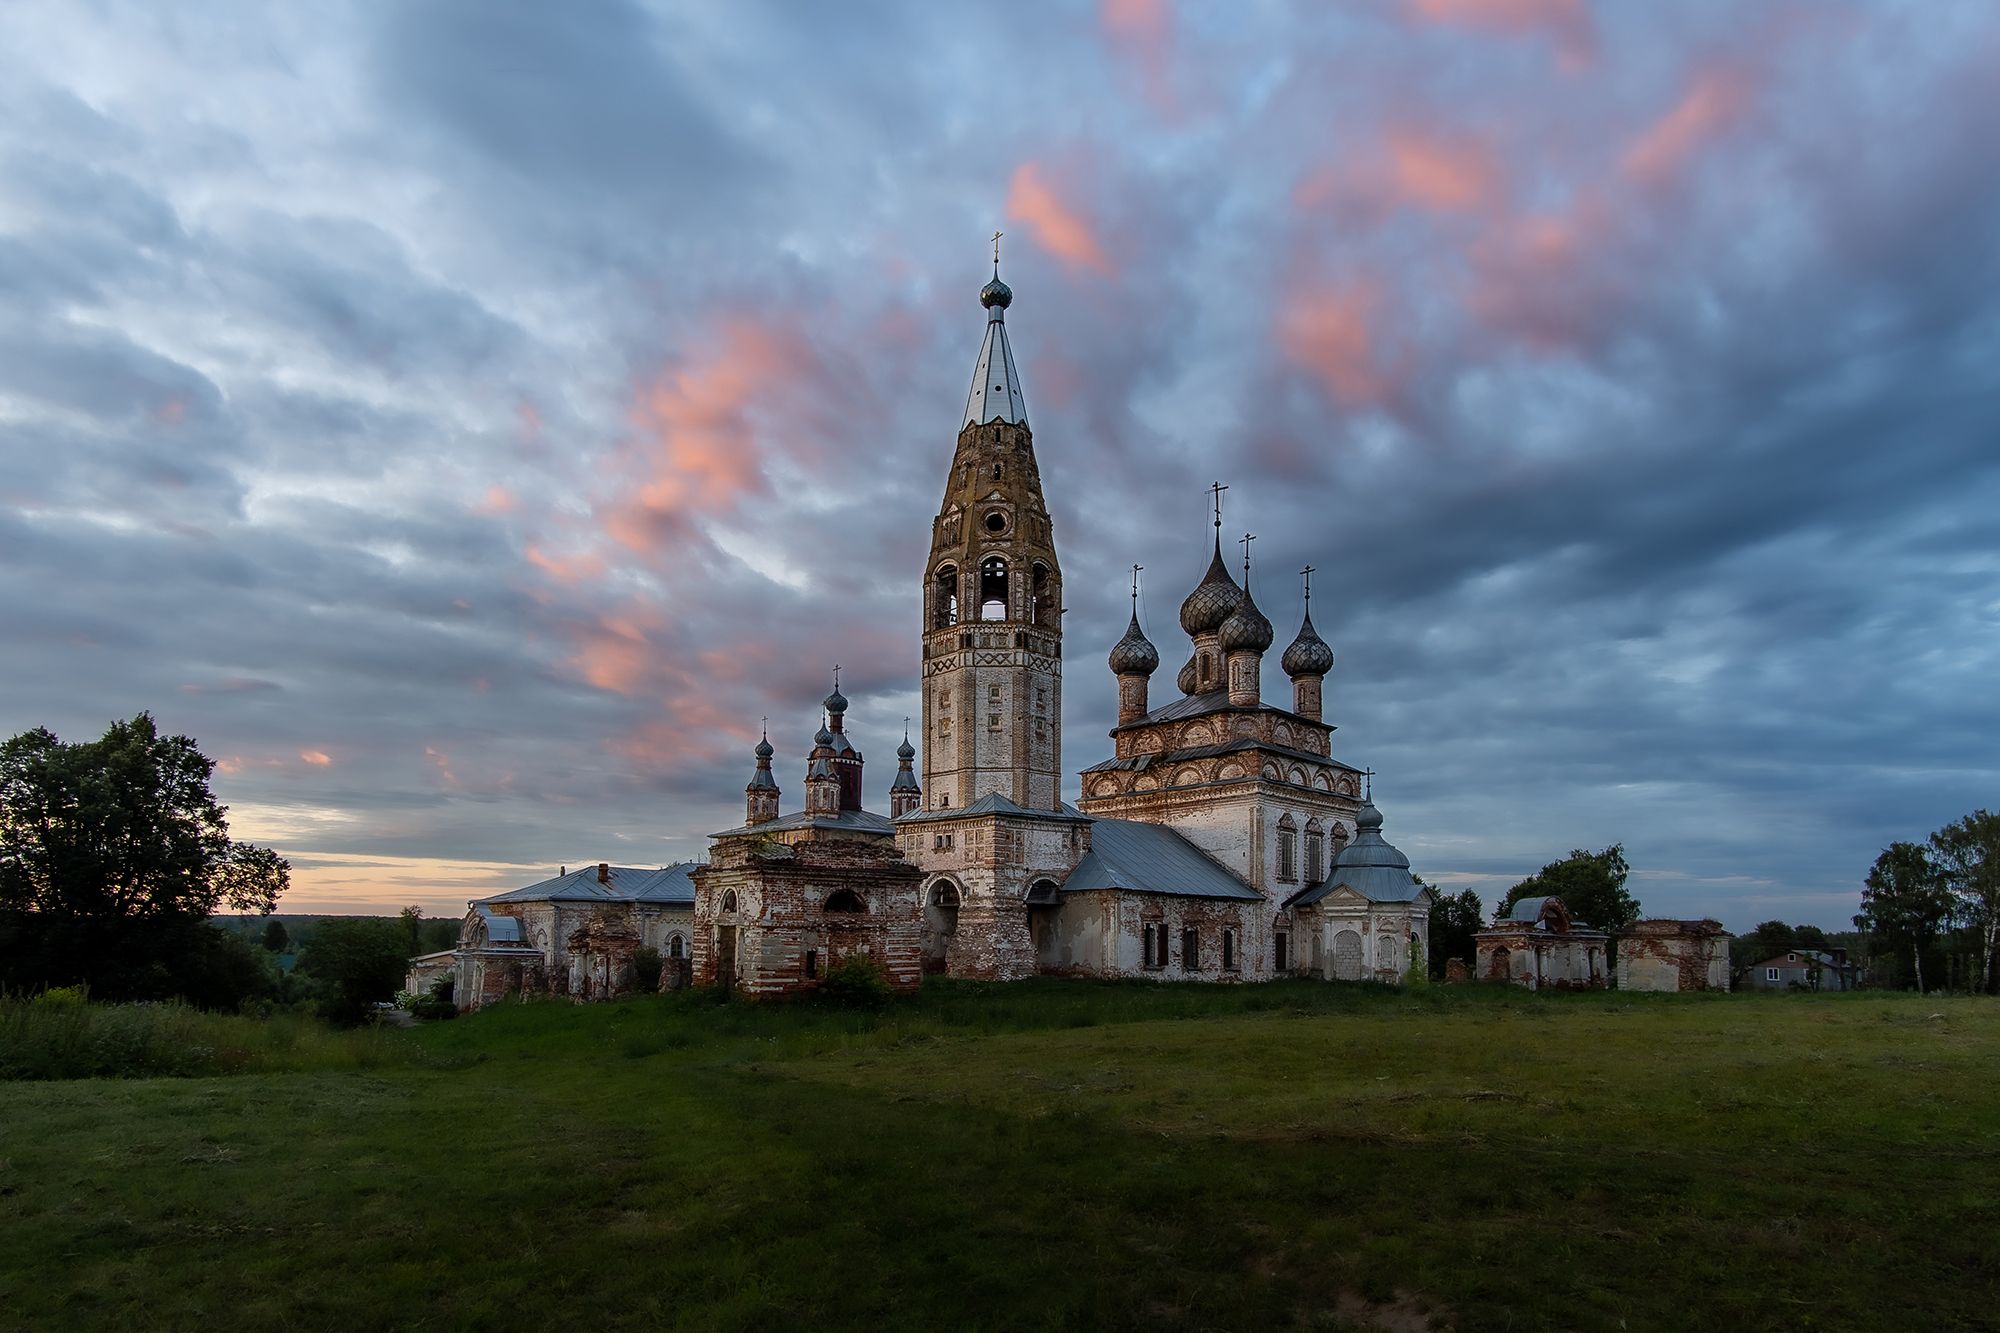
115, 857
1935, 906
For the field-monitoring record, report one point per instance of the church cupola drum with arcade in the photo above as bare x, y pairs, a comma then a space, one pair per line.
992, 703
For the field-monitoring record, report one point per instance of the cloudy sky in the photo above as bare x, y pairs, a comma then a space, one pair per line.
468, 420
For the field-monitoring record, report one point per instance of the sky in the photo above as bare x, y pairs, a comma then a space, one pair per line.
469, 420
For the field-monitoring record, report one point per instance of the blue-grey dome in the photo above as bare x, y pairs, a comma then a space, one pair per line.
835, 702
764, 749
822, 739
1309, 655
906, 750
995, 293
1134, 655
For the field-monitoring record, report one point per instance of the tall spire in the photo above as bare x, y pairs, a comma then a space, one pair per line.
996, 386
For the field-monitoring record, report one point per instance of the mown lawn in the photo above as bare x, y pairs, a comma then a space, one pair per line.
1049, 1154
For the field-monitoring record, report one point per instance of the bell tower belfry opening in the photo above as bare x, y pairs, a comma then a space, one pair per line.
992, 705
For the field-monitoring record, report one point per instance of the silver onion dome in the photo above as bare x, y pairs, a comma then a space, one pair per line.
823, 738
1186, 679
1309, 654
996, 293
1212, 599
1245, 628
764, 749
836, 702
1134, 655
906, 750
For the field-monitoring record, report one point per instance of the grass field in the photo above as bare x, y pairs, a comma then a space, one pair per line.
1041, 1155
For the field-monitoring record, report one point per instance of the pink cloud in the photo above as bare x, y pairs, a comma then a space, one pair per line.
1413, 165
565, 569
1142, 33
1055, 224
497, 500
317, 758
1327, 329
1713, 102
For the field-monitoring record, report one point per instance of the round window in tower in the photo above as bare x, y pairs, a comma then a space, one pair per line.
996, 522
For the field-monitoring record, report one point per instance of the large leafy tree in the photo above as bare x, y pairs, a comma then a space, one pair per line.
111, 852
1966, 858
1904, 901
1455, 919
1591, 885
360, 960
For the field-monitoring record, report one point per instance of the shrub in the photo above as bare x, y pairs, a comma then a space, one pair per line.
857, 980
63, 997
646, 969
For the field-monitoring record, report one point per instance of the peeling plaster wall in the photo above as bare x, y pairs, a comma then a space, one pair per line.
1673, 956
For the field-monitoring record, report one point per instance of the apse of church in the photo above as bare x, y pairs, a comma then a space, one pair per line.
992, 698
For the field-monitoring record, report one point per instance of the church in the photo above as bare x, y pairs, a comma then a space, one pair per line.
1219, 841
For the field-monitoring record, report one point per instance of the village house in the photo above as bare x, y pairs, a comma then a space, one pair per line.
1804, 969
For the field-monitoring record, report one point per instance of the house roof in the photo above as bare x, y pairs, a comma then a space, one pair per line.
1803, 958
669, 885
1369, 865
1149, 858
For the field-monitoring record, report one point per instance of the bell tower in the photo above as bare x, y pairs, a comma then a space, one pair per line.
993, 601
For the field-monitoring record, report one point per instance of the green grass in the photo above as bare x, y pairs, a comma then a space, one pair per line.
1042, 1155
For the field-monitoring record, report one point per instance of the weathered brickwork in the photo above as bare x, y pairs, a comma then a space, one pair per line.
1543, 951
773, 912
1663, 955
579, 950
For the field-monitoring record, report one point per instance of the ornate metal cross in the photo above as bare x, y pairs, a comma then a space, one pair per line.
1218, 488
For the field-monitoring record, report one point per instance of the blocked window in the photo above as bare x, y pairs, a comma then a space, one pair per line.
993, 722
1281, 950
1288, 850
1315, 852
1229, 951
1150, 948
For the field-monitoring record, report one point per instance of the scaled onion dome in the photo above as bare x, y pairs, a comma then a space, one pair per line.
1309, 654
835, 702
1245, 628
1134, 655
1186, 679
1212, 600
764, 749
995, 293
822, 739
906, 751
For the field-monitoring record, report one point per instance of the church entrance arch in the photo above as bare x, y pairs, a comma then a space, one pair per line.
941, 903
1347, 956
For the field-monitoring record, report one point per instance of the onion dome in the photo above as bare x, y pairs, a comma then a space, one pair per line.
1186, 678
1370, 818
996, 293
1245, 628
835, 703
764, 749
906, 751
1212, 600
1309, 654
822, 739
1134, 655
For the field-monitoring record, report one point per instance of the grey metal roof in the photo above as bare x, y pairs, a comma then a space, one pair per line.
1369, 865
996, 386
500, 929
1528, 910
993, 803
1140, 762
1150, 858
854, 821
626, 884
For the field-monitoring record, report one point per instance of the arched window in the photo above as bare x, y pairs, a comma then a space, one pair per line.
1288, 850
1339, 839
728, 902
1315, 852
845, 900
944, 894
1190, 949
676, 947
1228, 950
944, 597
993, 588
1042, 612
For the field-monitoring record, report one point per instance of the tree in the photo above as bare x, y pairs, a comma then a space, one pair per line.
361, 960
1904, 901
276, 937
111, 851
1590, 884
1966, 857
1455, 919
412, 919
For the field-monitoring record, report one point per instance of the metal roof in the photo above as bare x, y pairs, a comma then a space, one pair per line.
1140, 762
993, 803
996, 386
499, 929
1149, 858
854, 821
1369, 866
1528, 910
625, 884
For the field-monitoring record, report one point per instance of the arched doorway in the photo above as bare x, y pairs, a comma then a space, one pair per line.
941, 904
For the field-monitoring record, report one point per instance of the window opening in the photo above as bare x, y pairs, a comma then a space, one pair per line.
1288, 850
944, 610
845, 900
812, 962
1229, 951
1281, 950
993, 588
1190, 949
729, 901
996, 522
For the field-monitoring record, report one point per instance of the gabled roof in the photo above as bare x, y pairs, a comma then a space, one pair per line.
625, 884
993, 803
1149, 858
